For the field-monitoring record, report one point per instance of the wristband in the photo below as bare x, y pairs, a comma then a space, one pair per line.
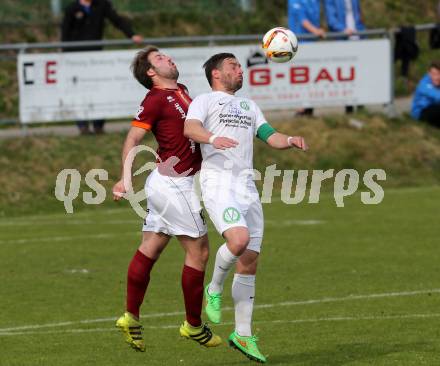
289, 141
212, 138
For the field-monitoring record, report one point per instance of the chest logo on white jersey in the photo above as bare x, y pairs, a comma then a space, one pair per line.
244, 105
237, 115
235, 110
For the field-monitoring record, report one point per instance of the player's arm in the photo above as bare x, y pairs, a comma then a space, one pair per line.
279, 140
133, 139
195, 131
431, 92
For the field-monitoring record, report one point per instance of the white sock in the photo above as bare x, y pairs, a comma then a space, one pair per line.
224, 260
243, 293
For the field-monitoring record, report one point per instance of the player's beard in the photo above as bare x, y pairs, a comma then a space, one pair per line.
230, 84
171, 73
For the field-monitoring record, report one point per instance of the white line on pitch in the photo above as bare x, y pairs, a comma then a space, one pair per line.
66, 238
136, 232
86, 321
279, 321
78, 221
63, 215
261, 306
350, 297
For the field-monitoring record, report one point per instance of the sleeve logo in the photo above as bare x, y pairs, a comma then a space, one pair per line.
139, 111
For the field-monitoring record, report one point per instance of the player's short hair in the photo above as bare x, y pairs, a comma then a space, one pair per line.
435, 65
141, 65
214, 63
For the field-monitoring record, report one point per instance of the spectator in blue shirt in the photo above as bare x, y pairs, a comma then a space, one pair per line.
344, 16
426, 102
304, 17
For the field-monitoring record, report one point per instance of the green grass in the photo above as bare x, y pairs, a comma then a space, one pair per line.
357, 250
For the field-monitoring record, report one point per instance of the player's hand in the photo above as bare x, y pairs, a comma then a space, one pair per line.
118, 190
224, 143
298, 142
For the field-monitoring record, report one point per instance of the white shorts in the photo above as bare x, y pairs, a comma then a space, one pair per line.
173, 207
231, 207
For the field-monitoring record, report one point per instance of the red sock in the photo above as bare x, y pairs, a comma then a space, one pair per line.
192, 286
137, 281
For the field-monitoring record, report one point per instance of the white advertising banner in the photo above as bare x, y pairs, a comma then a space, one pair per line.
98, 85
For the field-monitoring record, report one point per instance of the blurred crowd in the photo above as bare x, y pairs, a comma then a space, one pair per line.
345, 16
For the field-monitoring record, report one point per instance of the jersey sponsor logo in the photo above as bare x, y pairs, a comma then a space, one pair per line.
233, 109
192, 146
244, 105
231, 215
180, 110
170, 99
236, 117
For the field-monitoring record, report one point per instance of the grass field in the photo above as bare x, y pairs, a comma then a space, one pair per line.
358, 285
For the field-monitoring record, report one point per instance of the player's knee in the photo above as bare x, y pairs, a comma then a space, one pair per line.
151, 251
239, 243
197, 259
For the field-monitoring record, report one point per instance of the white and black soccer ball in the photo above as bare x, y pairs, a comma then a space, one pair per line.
280, 44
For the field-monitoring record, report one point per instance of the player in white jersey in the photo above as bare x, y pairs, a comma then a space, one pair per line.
226, 125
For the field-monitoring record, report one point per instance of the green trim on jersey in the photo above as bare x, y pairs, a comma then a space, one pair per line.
265, 131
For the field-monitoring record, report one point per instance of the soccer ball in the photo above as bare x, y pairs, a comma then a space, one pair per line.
280, 44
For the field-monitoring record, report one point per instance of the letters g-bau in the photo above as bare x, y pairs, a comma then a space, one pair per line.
73, 187
303, 75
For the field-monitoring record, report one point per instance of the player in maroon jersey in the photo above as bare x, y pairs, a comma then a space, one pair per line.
173, 208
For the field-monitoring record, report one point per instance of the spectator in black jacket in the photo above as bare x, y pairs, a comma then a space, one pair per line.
84, 20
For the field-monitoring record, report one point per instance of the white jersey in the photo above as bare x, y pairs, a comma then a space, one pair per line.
230, 116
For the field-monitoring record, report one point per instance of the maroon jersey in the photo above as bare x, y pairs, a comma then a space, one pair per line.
163, 111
